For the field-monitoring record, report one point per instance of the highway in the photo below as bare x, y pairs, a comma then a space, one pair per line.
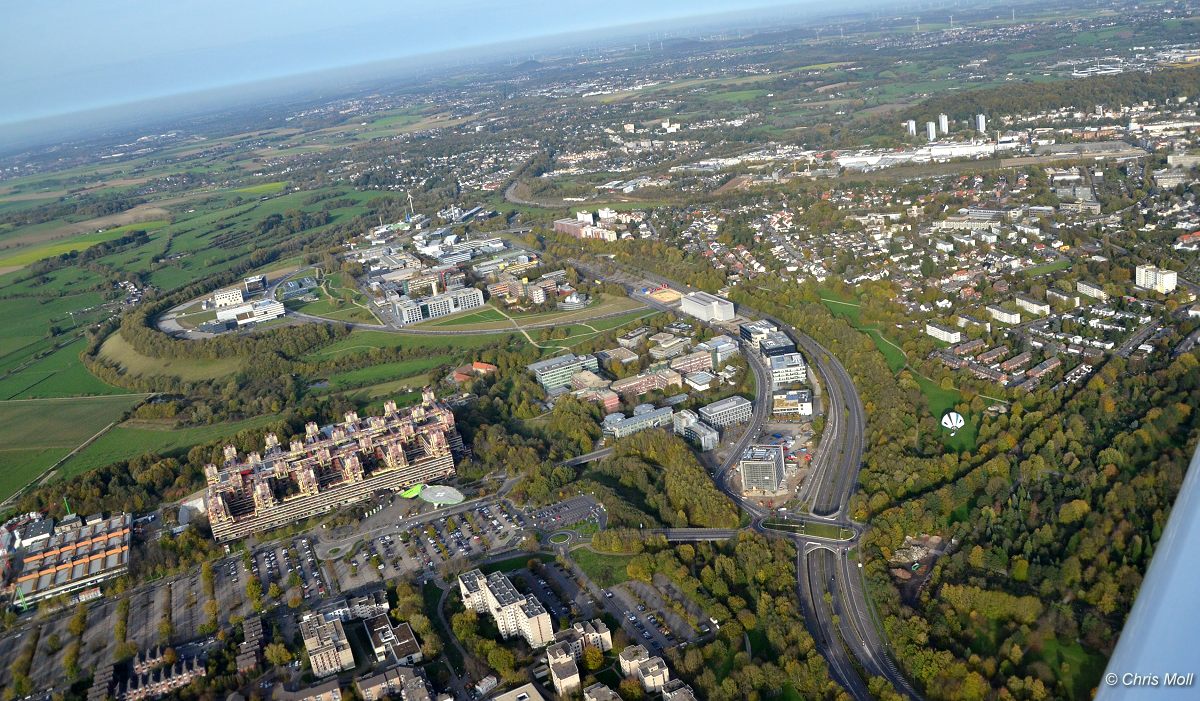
823, 566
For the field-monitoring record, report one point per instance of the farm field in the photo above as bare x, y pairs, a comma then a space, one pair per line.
60, 374
36, 433
133, 438
82, 242
118, 350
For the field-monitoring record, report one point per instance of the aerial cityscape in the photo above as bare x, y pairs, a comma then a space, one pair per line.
727, 351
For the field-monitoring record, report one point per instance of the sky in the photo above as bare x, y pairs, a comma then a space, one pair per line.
64, 56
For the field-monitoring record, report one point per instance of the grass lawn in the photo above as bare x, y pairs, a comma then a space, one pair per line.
36, 433
891, 352
942, 400
1052, 266
366, 340
118, 350
60, 374
604, 569
376, 374
471, 317
432, 596
1085, 667
515, 563
134, 438
262, 189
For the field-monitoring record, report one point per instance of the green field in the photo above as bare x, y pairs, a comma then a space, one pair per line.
376, 374
37, 433
604, 569
118, 350
75, 243
263, 188
1051, 267
60, 374
339, 300
1081, 667
359, 341
487, 314
135, 438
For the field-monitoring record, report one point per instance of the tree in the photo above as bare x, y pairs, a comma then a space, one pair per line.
593, 658
631, 690
277, 654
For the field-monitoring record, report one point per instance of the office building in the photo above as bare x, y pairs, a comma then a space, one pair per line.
687, 424
255, 284
410, 311
1150, 277
753, 332
647, 382
943, 333
761, 467
981, 123
788, 369
228, 298
556, 372
721, 348
794, 403
327, 646
775, 344
692, 362
618, 425
943, 124
727, 412
48, 560
330, 467
1093, 291
706, 307
515, 615
255, 312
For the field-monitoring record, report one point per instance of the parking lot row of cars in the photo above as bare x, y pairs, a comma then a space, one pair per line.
279, 563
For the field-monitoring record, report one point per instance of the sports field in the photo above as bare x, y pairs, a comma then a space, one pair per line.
36, 433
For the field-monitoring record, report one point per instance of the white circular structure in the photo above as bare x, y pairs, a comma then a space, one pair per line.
953, 421
439, 495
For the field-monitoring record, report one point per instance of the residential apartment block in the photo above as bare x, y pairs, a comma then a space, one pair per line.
515, 615
330, 467
327, 645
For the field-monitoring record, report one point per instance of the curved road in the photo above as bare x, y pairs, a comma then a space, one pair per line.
823, 566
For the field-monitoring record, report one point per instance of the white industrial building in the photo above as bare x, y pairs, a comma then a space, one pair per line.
706, 307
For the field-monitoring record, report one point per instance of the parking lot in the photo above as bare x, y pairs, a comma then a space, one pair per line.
421, 549
567, 513
294, 567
